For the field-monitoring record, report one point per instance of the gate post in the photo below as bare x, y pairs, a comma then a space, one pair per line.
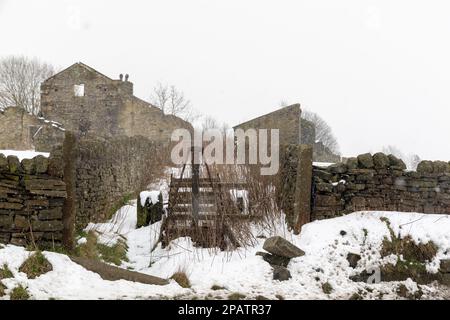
302, 205
196, 156
69, 210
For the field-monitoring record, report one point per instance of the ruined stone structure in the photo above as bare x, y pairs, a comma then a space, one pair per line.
89, 103
106, 145
293, 130
32, 195
20, 130
84, 101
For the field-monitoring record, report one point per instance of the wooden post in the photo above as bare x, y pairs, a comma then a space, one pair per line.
195, 183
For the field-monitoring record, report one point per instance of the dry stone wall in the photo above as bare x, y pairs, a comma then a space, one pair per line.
32, 195
106, 172
380, 182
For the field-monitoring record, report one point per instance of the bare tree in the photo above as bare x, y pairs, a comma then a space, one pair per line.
172, 101
20, 80
209, 123
411, 160
323, 130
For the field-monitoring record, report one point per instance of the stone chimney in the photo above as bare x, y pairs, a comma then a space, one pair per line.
126, 86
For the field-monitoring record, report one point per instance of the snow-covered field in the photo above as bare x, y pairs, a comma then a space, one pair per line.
28, 154
241, 271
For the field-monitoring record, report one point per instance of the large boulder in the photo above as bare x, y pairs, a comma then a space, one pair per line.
283, 248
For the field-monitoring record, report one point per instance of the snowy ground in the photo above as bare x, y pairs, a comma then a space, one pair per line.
28, 154
240, 271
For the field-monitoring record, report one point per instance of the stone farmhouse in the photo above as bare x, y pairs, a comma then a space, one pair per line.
86, 102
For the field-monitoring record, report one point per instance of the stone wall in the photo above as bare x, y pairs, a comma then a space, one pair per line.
294, 185
380, 182
107, 172
32, 195
20, 130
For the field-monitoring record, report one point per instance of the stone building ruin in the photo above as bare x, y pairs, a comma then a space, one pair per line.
293, 130
84, 101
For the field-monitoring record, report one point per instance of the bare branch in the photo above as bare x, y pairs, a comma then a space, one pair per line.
172, 101
324, 133
20, 80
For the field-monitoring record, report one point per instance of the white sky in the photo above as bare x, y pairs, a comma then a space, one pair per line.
377, 71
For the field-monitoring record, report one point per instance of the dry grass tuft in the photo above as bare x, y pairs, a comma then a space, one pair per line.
19, 293
182, 279
36, 265
5, 273
2, 290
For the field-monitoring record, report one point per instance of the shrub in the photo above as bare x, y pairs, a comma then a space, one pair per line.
113, 254
406, 247
19, 293
412, 258
89, 248
36, 265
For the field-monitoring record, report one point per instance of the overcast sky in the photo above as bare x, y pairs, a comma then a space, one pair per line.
377, 71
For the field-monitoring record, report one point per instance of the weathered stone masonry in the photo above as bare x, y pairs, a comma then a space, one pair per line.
84, 180
293, 130
380, 182
105, 171
20, 130
32, 195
